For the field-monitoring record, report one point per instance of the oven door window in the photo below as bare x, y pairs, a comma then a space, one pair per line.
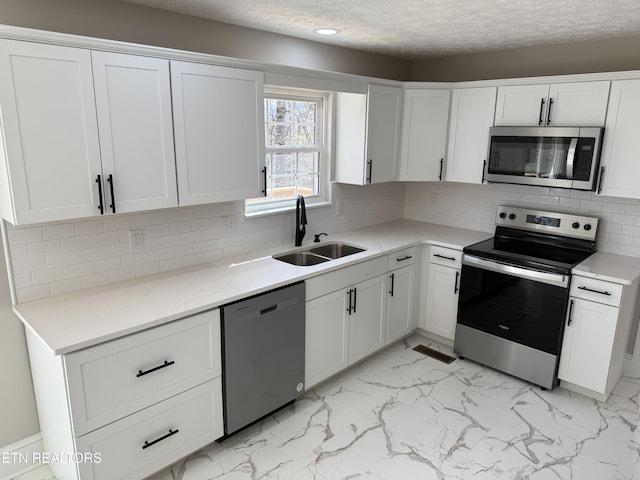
521, 310
541, 157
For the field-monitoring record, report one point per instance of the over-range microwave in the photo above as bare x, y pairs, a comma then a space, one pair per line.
562, 157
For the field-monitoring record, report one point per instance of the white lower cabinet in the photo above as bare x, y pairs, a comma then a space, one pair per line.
134, 405
595, 335
367, 318
327, 337
443, 283
401, 311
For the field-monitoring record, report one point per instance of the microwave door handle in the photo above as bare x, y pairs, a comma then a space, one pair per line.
571, 156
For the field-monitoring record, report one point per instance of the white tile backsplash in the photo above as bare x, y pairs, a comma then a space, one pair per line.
57, 258
474, 206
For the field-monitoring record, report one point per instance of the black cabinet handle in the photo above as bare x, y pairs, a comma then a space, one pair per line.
350, 299
392, 277
600, 179
113, 198
164, 437
402, 259
370, 165
540, 120
264, 173
484, 167
570, 310
549, 111
455, 287
443, 256
355, 299
441, 163
101, 204
594, 291
154, 369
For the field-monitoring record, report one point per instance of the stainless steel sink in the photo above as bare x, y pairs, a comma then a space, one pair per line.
336, 250
302, 259
319, 254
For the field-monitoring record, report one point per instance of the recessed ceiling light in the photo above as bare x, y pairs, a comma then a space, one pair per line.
327, 31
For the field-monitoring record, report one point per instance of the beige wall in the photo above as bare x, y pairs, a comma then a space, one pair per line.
117, 20
18, 418
584, 57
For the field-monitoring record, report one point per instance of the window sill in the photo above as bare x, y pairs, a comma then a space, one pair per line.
288, 208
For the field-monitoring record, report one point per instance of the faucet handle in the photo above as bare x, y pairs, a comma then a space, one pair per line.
317, 237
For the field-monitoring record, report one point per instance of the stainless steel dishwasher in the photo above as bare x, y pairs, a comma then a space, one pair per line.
263, 354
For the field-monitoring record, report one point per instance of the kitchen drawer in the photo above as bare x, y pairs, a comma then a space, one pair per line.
596, 290
143, 443
347, 276
445, 256
402, 258
118, 378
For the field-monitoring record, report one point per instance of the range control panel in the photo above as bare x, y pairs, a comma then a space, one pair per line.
565, 224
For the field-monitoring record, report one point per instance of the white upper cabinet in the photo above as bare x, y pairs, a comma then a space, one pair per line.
424, 134
133, 99
620, 163
557, 104
367, 135
219, 132
472, 111
50, 133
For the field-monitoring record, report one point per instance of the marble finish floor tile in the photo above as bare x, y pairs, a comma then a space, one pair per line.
403, 415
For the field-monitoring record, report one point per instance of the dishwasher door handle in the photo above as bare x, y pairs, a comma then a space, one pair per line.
269, 309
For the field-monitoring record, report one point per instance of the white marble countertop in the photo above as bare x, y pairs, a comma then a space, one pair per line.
610, 267
70, 322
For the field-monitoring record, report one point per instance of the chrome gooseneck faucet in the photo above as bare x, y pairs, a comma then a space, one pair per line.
301, 220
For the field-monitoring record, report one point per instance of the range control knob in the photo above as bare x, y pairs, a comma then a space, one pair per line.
575, 225
503, 215
587, 227
512, 216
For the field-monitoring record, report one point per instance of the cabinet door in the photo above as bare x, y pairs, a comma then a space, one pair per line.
587, 344
133, 99
367, 321
621, 149
50, 131
400, 308
442, 300
582, 104
383, 133
472, 112
424, 135
219, 132
326, 337
522, 105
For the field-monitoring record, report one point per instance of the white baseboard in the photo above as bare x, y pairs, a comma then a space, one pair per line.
17, 458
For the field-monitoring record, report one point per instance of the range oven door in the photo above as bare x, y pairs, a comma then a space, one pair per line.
524, 306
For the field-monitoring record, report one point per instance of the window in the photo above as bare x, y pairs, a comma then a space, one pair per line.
295, 150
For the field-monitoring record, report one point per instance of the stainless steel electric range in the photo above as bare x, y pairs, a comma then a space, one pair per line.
514, 291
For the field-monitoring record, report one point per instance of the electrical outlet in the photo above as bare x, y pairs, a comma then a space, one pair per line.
433, 200
229, 224
136, 240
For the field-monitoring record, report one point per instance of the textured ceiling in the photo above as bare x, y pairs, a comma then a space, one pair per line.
419, 28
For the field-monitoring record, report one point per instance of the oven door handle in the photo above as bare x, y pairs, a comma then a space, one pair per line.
534, 275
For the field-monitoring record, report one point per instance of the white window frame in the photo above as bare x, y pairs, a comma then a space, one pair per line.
323, 127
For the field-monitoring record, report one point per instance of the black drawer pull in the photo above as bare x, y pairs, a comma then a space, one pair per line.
350, 292
455, 287
594, 291
101, 204
164, 437
393, 278
442, 256
164, 365
570, 311
113, 198
402, 259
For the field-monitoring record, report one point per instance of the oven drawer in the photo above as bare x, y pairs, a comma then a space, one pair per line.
402, 258
445, 256
120, 377
143, 443
596, 290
